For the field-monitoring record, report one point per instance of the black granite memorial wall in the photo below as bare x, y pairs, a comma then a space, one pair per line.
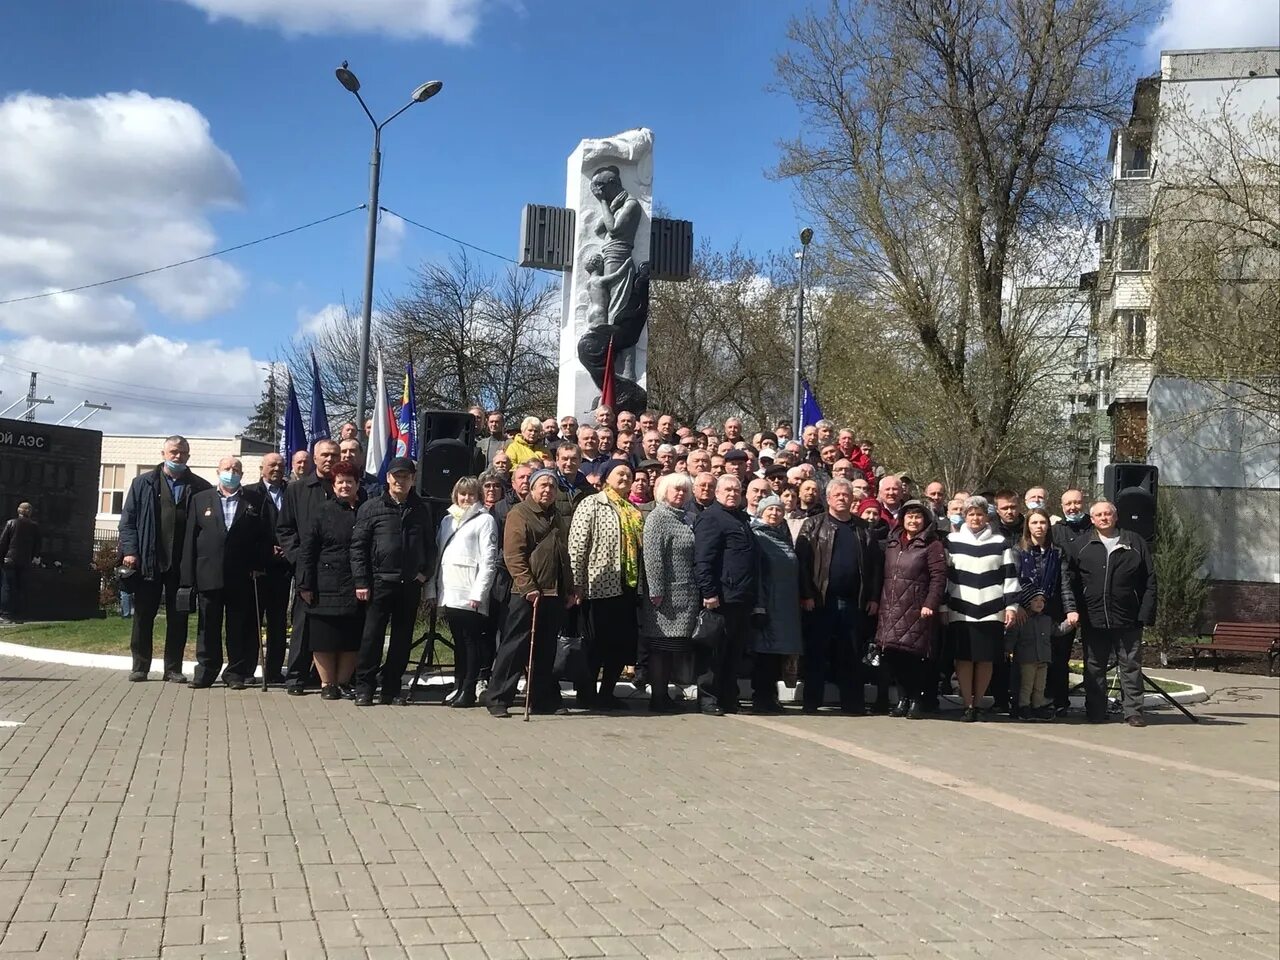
56, 470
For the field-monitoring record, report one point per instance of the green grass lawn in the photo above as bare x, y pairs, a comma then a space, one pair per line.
111, 635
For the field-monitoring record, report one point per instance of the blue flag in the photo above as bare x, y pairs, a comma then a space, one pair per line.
293, 435
810, 412
406, 422
319, 418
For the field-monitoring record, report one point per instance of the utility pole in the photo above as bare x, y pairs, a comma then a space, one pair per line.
31, 400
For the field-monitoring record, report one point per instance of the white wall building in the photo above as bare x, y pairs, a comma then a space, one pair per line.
1213, 457
126, 457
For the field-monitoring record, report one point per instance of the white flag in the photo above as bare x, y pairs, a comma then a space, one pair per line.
375, 462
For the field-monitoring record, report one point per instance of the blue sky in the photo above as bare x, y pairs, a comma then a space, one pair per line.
238, 129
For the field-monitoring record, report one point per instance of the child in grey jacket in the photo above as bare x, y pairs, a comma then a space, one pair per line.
1031, 644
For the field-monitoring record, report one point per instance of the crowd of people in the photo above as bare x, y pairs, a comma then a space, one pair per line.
673, 557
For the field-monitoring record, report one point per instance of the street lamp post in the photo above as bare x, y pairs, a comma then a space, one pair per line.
806, 235
423, 93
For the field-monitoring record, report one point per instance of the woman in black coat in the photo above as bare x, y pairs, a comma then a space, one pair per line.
334, 616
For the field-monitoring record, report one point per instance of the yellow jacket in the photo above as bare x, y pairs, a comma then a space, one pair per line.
518, 451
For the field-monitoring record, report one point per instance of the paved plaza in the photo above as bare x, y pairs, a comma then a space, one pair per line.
149, 820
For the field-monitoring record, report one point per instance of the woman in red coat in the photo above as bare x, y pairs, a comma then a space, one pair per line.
915, 582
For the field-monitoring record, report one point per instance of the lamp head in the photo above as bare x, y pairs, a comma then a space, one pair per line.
347, 78
806, 235
427, 91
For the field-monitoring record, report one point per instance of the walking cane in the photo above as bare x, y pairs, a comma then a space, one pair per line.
528, 673
262, 634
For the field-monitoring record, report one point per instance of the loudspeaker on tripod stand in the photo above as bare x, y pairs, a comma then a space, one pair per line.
447, 441
1133, 488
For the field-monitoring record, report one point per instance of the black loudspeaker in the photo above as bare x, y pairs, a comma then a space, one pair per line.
1133, 487
447, 449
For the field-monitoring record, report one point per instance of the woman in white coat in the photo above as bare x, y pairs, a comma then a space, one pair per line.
468, 541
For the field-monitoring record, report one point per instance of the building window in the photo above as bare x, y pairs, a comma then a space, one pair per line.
1136, 158
1132, 247
1131, 332
111, 489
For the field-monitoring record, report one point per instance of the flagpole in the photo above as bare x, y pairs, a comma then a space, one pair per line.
805, 236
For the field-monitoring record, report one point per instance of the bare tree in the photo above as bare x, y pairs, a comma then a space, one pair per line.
719, 343
474, 337
944, 139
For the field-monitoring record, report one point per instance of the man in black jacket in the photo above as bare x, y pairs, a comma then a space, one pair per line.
1075, 523
153, 529
392, 555
302, 499
19, 548
274, 586
1114, 580
840, 571
227, 545
725, 565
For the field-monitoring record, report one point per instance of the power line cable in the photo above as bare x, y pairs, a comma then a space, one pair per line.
183, 263
441, 233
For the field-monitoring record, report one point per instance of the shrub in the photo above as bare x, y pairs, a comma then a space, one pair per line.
1181, 551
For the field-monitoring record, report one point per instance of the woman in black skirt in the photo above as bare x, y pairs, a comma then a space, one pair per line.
982, 600
325, 584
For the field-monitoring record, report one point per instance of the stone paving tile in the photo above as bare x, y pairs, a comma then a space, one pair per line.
146, 820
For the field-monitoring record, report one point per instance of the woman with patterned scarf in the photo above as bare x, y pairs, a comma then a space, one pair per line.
605, 542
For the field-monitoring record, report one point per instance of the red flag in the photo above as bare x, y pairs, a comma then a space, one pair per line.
606, 389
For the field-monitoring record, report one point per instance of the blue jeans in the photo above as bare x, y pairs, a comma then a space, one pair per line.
833, 648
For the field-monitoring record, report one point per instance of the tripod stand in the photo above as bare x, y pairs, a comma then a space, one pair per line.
1147, 682
427, 657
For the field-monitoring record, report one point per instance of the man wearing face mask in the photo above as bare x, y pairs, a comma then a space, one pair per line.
302, 499
1075, 523
227, 545
153, 527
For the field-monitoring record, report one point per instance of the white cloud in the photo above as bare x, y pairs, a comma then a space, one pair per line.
156, 386
105, 318
391, 231
101, 187
450, 20
331, 315
1203, 24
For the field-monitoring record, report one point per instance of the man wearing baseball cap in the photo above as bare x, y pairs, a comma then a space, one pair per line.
393, 552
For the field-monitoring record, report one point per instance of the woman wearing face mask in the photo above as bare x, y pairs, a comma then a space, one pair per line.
325, 583
775, 620
468, 551
605, 551
1043, 568
869, 510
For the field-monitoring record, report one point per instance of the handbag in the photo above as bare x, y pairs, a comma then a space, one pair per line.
709, 628
571, 658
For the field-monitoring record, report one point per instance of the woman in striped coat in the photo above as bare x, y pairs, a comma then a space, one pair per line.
982, 600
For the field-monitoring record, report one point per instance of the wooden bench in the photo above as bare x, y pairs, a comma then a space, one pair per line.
1237, 637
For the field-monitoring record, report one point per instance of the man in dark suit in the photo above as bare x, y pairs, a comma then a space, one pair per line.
153, 527
275, 585
302, 499
228, 544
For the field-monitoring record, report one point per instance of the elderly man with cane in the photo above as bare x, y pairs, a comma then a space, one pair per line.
535, 548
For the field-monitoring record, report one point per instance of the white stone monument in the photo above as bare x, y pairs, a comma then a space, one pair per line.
631, 153
609, 247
